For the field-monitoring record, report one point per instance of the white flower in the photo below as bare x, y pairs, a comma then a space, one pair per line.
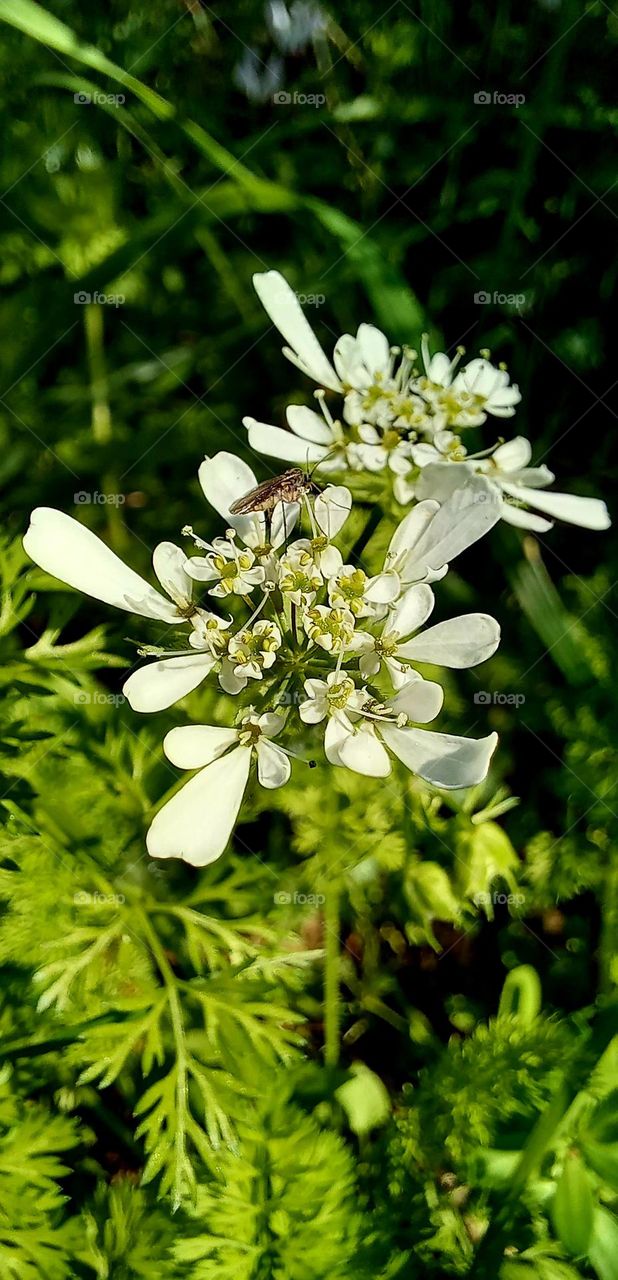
284, 309
430, 536
516, 482
441, 759
378, 450
458, 643
439, 368
508, 467
299, 576
160, 684
233, 569
327, 697
482, 389
331, 629
360, 733
197, 822
249, 653
311, 440
350, 588
66, 549
364, 361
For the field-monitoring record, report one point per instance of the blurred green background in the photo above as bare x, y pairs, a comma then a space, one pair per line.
426, 167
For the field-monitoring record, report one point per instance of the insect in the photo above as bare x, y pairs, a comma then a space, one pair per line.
289, 487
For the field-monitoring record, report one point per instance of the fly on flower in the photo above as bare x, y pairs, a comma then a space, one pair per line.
291, 486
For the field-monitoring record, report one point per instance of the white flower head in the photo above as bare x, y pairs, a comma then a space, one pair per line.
250, 653
196, 824
458, 643
481, 388
351, 588
518, 486
234, 570
330, 629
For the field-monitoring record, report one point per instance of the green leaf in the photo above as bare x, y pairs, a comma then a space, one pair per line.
364, 1099
603, 1245
572, 1209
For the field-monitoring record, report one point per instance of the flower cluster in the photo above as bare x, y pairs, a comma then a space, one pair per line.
278, 608
322, 650
403, 415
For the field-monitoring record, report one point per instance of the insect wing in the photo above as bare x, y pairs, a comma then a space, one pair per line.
256, 499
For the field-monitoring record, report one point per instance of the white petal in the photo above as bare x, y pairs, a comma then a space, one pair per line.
338, 730
308, 424
67, 550
371, 457
271, 723
465, 517
412, 610
459, 642
441, 758
285, 311
420, 699
363, 752
348, 362
168, 562
224, 479
198, 821
439, 480
284, 520
273, 766
161, 684
374, 348
440, 369
534, 477
411, 527
522, 519
331, 561
588, 513
513, 455
193, 746
332, 508
383, 589
276, 443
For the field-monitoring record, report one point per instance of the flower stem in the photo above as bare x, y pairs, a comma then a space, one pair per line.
373, 520
331, 974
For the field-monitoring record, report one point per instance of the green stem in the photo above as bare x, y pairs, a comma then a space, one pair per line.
101, 419
375, 515
331, 974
